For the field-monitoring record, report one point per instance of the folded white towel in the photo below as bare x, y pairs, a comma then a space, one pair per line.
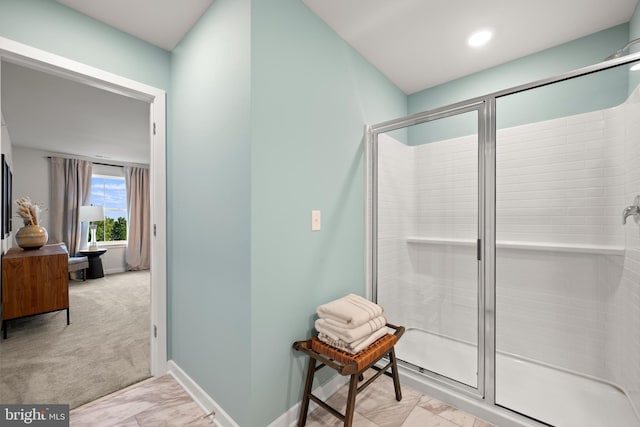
349, 335
351, 310
357, 346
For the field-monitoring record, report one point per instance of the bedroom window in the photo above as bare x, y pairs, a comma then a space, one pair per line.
110, 192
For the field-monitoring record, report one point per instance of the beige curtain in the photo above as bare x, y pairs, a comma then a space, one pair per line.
70, 189
139, 237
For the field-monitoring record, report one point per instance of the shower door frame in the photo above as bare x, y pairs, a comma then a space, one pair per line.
486, 107
483, 110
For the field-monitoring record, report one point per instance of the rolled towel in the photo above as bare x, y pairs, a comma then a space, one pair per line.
357, 346
351, 310
350, 335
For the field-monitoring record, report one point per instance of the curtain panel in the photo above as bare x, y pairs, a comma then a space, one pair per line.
139, 236
70, 189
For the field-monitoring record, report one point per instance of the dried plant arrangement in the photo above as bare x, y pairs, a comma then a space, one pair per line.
28, 211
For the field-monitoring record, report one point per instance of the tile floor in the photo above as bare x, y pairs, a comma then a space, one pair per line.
155, 402
162, 402
376, 406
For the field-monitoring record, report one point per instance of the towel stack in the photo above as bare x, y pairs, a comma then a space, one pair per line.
350, 323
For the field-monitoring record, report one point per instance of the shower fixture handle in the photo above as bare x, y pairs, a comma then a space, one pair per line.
634, 210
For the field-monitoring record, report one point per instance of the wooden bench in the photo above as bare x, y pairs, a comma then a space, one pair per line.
348, 364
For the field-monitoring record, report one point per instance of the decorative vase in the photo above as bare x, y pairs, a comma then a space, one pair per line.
31, 237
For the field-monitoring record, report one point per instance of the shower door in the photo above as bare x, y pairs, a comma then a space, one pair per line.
427, 236
566, 166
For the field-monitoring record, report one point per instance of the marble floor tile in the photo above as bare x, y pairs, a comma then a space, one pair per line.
325, 419
433, 405
376, 406
482, 423
420, 417
162, 402
459, 418
378, 403
129, 422
152, 403
172, 414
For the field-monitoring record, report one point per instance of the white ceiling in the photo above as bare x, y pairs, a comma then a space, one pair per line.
56, 115
418, 44
160, 22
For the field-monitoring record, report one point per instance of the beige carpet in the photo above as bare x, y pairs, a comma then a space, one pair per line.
105, 349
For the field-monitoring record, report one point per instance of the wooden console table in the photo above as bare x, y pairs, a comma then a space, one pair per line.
34, 282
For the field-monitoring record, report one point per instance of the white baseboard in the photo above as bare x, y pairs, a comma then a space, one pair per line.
290, 418
221, 418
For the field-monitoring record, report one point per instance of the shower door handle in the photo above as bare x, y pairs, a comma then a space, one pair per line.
479, 249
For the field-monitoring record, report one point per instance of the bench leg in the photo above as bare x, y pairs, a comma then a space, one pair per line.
394, 374
351, 400
304, 405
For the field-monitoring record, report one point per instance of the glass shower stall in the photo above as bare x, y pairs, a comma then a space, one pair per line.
498, 240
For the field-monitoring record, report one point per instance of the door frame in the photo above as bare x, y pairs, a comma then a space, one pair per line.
30, 57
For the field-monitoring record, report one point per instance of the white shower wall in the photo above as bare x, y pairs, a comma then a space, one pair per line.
625, 348
396, 208
568, 292
560, 184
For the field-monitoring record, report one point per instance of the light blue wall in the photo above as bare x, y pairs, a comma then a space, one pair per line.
311, 97
587, 94
634, 27
49, 26
209, 205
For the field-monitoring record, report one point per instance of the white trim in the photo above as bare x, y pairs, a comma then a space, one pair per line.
110, 244
158, 190
290, 418
202, 399
31, 57
368, 209
49, 63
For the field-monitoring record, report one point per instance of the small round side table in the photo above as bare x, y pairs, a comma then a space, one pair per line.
95, 263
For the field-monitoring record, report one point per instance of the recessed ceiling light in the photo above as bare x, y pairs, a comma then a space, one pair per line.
479, 38
635, 67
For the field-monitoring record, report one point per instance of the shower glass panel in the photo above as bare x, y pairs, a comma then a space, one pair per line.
427, 272
567, 157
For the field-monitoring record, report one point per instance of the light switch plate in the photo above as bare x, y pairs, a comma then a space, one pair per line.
315, 221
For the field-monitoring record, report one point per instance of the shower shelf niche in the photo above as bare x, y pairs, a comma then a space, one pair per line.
527, 246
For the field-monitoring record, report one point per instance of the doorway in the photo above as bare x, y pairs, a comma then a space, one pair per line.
36, 59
